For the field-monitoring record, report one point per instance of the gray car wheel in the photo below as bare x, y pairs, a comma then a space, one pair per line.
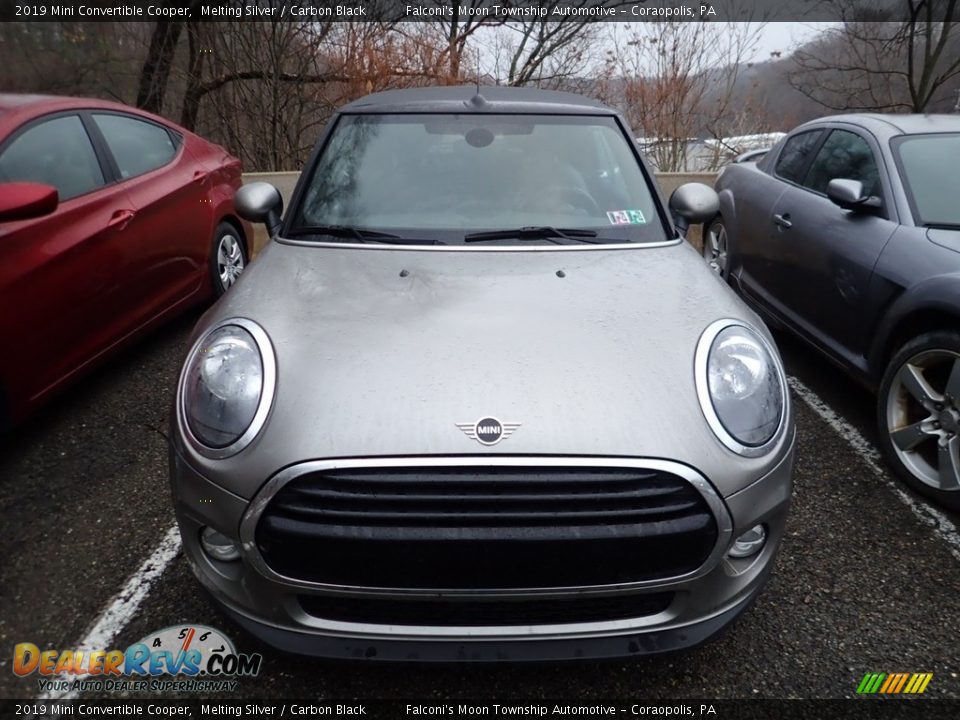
229, 258
715, 246
918, 411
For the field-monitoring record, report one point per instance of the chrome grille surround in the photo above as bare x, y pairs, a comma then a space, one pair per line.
260, 502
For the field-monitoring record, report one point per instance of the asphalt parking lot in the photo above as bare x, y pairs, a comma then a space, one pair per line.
866, 581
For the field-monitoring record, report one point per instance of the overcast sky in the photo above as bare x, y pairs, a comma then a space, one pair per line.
782, 37
785, 36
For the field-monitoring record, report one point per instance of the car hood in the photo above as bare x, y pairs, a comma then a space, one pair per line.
383, 351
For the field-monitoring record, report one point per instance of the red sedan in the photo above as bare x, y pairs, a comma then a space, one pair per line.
112, 220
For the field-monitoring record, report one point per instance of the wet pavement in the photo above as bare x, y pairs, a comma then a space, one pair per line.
861, 583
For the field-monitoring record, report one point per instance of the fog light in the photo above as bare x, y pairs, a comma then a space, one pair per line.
219, 546
750, 543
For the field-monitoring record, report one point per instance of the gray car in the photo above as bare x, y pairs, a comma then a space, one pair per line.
479, 400
848, 234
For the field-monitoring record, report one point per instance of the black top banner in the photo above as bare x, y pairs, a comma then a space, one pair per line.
455, 10
872, 709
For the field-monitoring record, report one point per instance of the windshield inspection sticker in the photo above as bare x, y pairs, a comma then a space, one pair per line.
626, 217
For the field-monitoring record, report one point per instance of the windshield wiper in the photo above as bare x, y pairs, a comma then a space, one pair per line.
942, 226
361, 234
537, 232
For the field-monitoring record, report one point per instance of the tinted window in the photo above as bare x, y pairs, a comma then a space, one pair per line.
796, 152
137, 146
929, 165
844, 155
444, 175
56, 152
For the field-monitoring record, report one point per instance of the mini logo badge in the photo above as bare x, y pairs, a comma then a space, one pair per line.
488, 430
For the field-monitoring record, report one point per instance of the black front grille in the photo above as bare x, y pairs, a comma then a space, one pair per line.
486, 527
480, 613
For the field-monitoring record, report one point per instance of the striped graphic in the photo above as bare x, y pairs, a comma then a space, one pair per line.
894, 683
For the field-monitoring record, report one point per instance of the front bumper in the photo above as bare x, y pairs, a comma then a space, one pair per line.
650, 642
271, 607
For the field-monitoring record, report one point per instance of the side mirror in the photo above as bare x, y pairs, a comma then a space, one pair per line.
26, 200
260, 202
848, 194
693, 203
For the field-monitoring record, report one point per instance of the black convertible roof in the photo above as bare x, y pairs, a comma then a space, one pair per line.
467, 99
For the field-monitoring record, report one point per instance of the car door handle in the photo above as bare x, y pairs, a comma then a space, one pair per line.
120, 219
783, 221
200, 175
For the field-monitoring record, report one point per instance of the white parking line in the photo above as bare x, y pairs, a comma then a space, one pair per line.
942, 526
123, 606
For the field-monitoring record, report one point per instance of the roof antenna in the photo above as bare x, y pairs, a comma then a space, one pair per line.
478, 100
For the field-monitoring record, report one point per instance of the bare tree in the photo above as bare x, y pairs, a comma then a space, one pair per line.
72, 58
291, 55
259, 80
264, 89
455, 29
155, 74
902, 56
547, 53
676, 81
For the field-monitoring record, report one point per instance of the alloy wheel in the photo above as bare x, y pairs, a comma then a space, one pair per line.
715, 248
229, 260
923, 417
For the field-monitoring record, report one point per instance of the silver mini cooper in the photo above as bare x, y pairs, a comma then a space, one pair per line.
479, 400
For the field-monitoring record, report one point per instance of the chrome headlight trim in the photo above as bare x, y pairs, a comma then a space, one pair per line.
701, 377
267, 391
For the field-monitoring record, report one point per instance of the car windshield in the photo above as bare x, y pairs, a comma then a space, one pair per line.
930, 174
472, 178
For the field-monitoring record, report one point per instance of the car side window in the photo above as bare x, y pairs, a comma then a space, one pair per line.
844, 155
54, 152
137, 146
795, 154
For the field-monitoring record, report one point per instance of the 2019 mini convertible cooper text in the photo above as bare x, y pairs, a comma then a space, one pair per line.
478, 400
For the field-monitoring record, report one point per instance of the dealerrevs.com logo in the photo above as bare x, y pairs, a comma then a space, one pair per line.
201, 657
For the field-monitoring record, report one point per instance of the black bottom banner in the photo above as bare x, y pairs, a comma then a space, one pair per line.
866, 709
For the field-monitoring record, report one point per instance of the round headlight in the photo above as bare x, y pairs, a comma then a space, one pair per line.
742, 388
224, 389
